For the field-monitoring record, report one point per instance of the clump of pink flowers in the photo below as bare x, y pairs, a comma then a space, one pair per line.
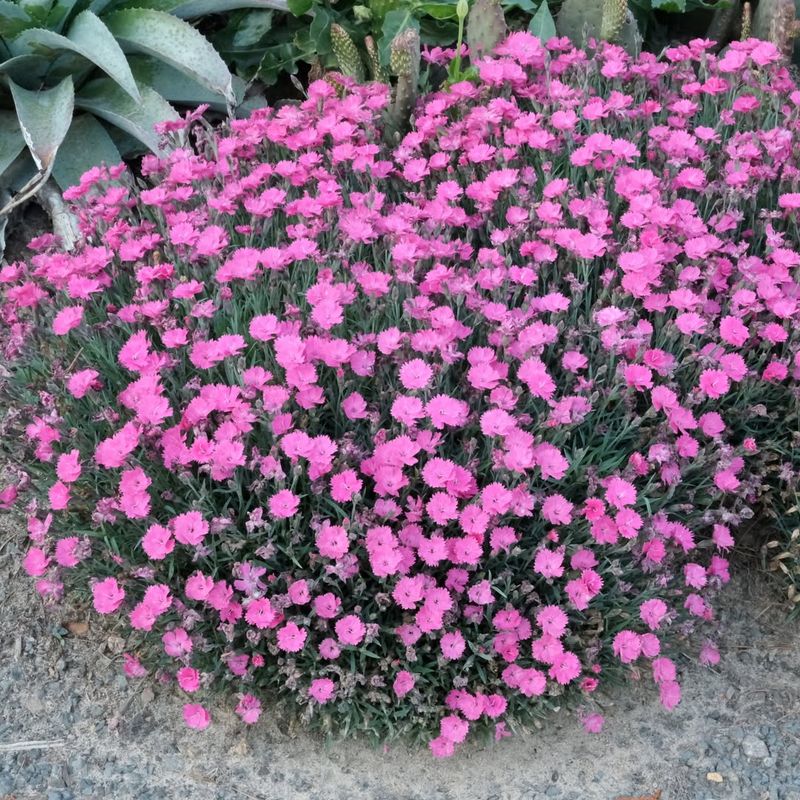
426, 439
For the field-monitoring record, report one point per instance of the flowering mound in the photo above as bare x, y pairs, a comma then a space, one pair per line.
422, 440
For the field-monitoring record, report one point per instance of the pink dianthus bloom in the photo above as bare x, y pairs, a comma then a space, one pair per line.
350, 630
188, 679
291, 638
284, 504
627, 646
196, 717
107, 596
249, 709
322, 690
403, 683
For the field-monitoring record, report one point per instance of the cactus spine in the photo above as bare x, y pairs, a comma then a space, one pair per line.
376, 69
404, 64
346, 52
747, 21
486, 27
614, 14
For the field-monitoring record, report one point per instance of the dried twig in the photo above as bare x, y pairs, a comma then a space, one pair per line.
36, 744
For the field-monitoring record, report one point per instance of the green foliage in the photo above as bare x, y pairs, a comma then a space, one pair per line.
486, 27
604, 20
123, 64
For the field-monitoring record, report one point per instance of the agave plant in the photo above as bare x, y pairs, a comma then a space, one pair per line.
84, 82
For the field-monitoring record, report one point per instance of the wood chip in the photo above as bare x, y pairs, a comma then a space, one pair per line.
714, 777
78, 628
655, 796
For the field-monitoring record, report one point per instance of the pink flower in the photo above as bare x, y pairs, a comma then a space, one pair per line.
249, 709
652, 612
8, 497
415, 374
670, 692
322, 690
132, 666
58, 496
284, 504
67, 319
107, 596
68, 468
344, 485
332, 541
298, 592
454, 728
627, 646
190, 528
709, 655
36, 562
620, 493
158, 542
350, 630
663, 670
442, 747
260, 614
549, 563
452, 645
81, 382
593, 723
188, 679
70, 551
291, 638
552, 620
566, 668
403, 683
714, 383
177, 643
556, 509
196, 717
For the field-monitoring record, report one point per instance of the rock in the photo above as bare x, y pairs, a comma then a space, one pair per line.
714, 777
753, 747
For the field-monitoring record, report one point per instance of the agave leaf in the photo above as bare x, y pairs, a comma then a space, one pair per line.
90, 32
175, 42
11, 141
187, 9
106, 100
30, 69
44, 117
88, 37
86, 145
99, 6
176, 87
60, 13
13, 19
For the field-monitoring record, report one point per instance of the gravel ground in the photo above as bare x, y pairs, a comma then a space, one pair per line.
736, 733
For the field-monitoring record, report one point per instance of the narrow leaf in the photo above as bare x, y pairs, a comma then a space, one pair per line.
11, 141
174, 42
300, 7
88, 37
393, 23
106, 100
44, 117
543, 25
86, 145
